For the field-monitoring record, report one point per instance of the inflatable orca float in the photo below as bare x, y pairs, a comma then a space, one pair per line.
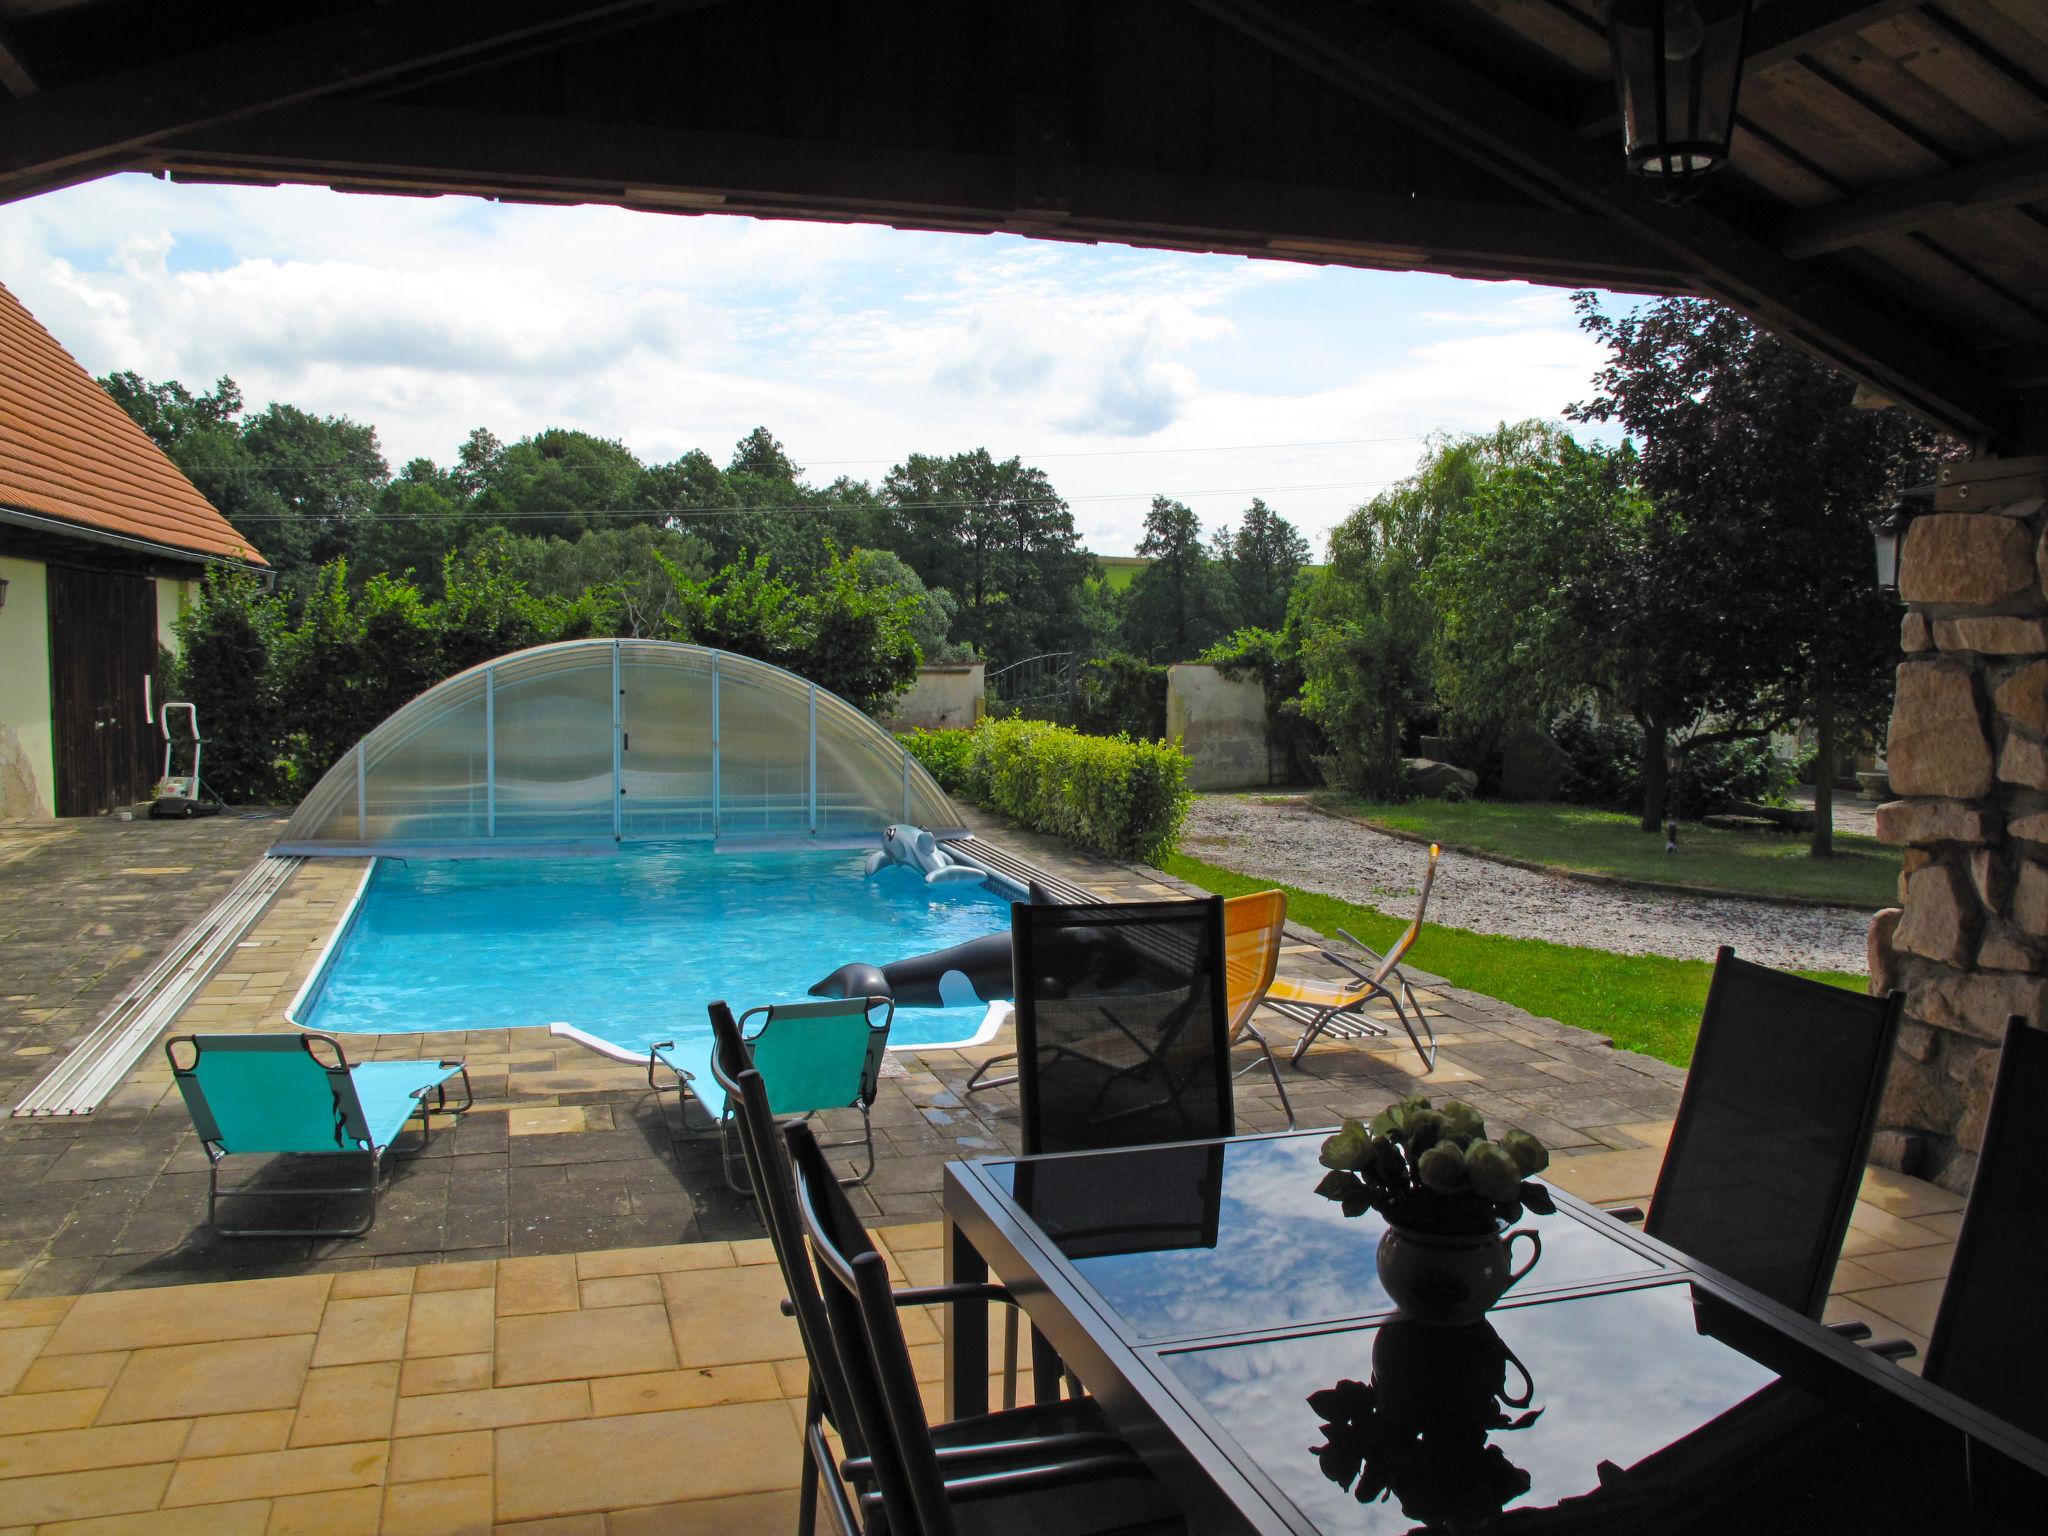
977, 971
917, 849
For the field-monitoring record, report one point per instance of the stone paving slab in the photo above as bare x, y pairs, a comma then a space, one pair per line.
567, 1151
609, 1393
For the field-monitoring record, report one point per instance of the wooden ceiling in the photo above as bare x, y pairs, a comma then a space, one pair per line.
1887, 204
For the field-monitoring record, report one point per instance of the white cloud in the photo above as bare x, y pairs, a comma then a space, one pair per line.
1122, 372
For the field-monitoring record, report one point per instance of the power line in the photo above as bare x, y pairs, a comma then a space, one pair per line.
1132, 453
890, 459
787, 508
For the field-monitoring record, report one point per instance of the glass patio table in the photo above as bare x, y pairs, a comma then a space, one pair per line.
1231, 1323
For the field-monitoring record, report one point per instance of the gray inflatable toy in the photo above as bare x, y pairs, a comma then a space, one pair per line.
960, 976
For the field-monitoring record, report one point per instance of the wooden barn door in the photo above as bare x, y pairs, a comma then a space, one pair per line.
102, 646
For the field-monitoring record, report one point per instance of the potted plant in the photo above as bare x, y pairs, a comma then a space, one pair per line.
1449, 1196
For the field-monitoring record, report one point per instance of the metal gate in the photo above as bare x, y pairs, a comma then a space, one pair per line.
1038, 687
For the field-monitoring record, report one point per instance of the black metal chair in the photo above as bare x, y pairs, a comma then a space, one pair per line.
1123, 1024
1990, 1338
1081, 1480
767, 1165
1768, 1148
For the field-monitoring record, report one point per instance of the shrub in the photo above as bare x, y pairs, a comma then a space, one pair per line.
1110, 795
1121, 695
1606, 757
227, 641
948, 756
1607, 768
1730, 770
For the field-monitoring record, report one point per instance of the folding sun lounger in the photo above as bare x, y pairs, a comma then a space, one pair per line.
277, 1095
1337, 1008
812, 1056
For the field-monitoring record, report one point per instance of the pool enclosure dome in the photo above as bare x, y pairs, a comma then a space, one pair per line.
593, 742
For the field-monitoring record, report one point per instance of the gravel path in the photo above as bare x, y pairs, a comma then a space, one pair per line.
1356, 864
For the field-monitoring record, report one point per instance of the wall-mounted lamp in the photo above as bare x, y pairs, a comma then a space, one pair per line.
1677, 72
1888, 534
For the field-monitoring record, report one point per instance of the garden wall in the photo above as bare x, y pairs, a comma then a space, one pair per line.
944, 698
1221, 724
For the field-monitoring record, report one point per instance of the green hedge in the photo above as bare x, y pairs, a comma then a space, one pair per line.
1120, 798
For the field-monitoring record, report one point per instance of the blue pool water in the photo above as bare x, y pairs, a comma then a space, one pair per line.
630, 947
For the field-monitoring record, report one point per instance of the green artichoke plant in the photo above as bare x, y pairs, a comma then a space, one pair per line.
1431, 1168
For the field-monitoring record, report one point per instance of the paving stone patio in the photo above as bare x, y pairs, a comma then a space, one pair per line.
613, 1393
560, 1324
566, 1151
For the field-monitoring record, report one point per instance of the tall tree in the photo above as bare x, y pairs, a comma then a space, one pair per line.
296, 483
1767, 478
1262, 555
1180, 602
558, 481
325, 474
997, 535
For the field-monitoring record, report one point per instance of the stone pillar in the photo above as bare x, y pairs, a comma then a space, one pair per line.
1968, 943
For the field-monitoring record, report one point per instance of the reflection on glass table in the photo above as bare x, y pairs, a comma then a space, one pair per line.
1381, 1428
1418, 1431
1188, 1241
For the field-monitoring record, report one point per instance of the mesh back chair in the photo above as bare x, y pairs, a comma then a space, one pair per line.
1123, 1028
1253, 928
297, 1096
767, 1161
1768, 1148
913, 1481
1990, 1338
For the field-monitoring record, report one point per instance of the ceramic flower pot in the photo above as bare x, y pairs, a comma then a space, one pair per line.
1450, 1281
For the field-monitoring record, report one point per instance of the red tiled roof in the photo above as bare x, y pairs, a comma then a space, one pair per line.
68, 451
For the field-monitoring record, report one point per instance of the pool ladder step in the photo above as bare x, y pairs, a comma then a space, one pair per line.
81, 1084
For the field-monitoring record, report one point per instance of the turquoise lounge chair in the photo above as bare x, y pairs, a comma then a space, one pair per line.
276, 1095
811, 1056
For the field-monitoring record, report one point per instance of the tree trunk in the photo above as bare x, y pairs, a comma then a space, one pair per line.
1656, 772
1823, 844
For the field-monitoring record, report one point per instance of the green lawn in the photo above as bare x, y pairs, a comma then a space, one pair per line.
1863, 872
1646, 1003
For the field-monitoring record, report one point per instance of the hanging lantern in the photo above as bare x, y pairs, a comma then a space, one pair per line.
1677, 71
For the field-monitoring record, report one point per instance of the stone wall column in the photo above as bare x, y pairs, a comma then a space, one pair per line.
1968, 943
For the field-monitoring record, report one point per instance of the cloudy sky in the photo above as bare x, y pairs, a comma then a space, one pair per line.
1120, 372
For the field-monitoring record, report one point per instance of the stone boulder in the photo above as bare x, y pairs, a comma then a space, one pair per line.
1532, 766
1938, 745
1440, 781
1966, 557
1436, 748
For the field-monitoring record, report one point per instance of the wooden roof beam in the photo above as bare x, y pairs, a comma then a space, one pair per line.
16, 78
1377, 61
2016, 176
58, 137
1776, 34
384, 146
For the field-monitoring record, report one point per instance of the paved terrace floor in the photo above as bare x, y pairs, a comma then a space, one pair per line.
556, 1326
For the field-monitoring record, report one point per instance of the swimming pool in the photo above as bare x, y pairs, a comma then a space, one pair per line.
628, 948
